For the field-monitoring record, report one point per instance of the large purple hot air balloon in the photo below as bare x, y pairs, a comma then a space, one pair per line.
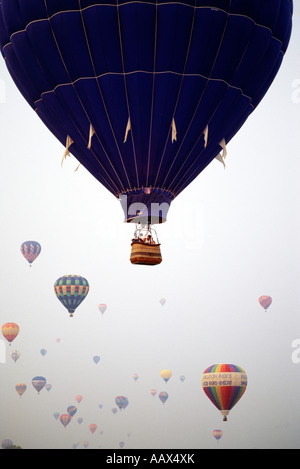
144, 94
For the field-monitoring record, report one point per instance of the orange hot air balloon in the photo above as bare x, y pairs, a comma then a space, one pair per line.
10, 330
93, 427
79, 398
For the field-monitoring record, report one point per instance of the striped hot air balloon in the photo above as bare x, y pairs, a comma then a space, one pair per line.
224, 385
217, 434
65, 419
30, 250
21, 388
39, 382
72, 410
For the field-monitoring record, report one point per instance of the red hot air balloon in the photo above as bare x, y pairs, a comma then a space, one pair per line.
10, 330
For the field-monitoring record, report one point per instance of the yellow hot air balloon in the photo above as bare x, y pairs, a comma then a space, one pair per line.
166, 375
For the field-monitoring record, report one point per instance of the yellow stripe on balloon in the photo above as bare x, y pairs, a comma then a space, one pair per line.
219, 394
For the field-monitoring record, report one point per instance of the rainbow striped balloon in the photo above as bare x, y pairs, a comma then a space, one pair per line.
224, 385
39, 382
65, 419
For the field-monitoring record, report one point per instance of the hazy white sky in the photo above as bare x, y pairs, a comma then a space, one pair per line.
231, 236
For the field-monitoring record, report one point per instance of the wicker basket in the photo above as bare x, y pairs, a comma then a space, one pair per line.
145, 254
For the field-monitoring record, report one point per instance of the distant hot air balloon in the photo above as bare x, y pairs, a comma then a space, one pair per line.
21, 388
182, 378
162, 301
265, 301
153, 392
65, 419
80, 420
114, 410
78, 398
71, 290
72, 410
6, 443
224, 385
121, 444
163, 396
166, 375
135, 376
38, 383
48, 387
102, 307
15, 355
217, 434
122, 402
93, 427
56, 415
96, 359
30, 250
43, 352
10, 330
